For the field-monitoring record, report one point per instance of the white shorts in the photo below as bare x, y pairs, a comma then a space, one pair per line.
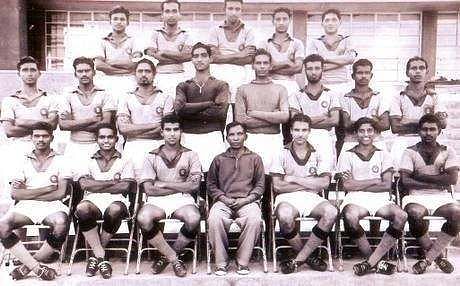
78, 154
431, 201
171, 203
265, 145
304, 202
37, 211
207, 145
324, 142
167, 82
291, 85
136, 150
103, 200
368, 200
234, 75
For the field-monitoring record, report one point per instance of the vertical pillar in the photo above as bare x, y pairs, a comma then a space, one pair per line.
299, 22
13, 34
429, 33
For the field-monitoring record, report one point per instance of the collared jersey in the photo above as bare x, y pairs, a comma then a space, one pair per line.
182, 168
361, 168
160, 41
73, 106
118, 168
51, 171
111, 50
217, 38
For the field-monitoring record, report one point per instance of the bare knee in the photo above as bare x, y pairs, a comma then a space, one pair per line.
415, 212
330, 214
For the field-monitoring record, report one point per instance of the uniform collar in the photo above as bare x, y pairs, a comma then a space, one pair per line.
268, 81
170, 163
297, 159
193, 81
227, 26
155, 90
363, 157
111, 39
417, 101
428, 157
353, 93
95, 89
32, 155
18, 92
314, 96
228, 153
163, 30
98, 155
288, 39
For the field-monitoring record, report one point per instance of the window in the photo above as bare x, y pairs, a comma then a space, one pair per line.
387, 39
448, 46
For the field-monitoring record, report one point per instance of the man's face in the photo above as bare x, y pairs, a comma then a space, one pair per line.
429, 132
119, 22
331, 23
29, 73
281, 22
144, 74
171, 14
201, 59
366, 134
84, 73
362, 76
300, 131
417, 71
233, 11
313, 71
41, 139
171, 133
236, 137
106, 139
262, 65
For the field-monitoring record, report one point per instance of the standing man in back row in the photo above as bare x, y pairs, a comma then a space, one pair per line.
171, 46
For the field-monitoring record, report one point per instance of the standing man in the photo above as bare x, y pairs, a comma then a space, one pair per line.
139, 115
362, 101
38, 186
416, 100
171, 46
337, 51
321, 105
202, 104
233, 46
82, 111
235, 184
113, 58
107, 181
428, 169
262, 106
299, 174
171, 175
367, 172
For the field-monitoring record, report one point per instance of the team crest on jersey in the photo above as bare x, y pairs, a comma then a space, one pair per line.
53, 179
183, 172
117, 176
63, 116
428, 109
375, 169
159, 110
98, 110
44, 112
312, 170
323, 104
241, 47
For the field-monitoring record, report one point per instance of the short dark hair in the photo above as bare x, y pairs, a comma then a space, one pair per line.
107, 126
300, 117
201, 45
260, 52
225, 1
313, 58
365, 120
361, 63
26, 60
234, 124
413, 59
119, 9
44, 126
429, 118
282, 10
331, 11
146, 61
82, 60
171, 118
169, 1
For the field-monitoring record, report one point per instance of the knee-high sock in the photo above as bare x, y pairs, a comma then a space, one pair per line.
105, 238
438, 246
181, 242
385, 244
364, 246
296, 243
163, 247
21, 253
425, 242
312, 243
94, 241
44, 252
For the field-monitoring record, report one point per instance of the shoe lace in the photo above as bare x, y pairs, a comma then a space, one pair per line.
361, 267
104, 266
92, 263
177, 265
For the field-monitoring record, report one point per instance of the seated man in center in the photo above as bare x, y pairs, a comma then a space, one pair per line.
299, 174
171, 174
367, 173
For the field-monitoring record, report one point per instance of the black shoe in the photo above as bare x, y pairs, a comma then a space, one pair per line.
105, 268
242, 269
444, 264
362, 268
316, 263
91, 266
20, 272
384, 267
420, 266
159, 265
289, 266
46, 273
179, 268
221, 270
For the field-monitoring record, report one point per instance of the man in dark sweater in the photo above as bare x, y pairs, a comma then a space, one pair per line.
235, 184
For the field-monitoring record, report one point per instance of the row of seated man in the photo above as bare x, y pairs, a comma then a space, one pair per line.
235, 182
